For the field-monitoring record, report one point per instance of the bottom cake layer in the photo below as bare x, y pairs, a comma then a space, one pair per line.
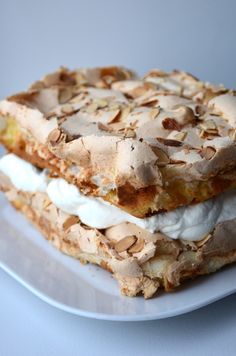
141, 262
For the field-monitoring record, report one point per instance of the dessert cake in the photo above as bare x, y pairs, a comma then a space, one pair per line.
137, 175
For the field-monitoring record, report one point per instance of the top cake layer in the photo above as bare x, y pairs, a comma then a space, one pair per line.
146, 145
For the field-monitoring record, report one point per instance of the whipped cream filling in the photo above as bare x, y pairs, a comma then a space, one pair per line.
191, 222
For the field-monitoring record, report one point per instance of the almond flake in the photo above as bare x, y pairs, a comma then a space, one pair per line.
67, 109
46, 203
163, 158
150, 102
137, 246
91, 108
114, 106
54, 136
129, 133
232, 134
125, 243
101, 103
202, 134
185, 114
65, 95
169, 142
208, 152
72, 220
200, 110
208, 125
50, 115
154, 113
171, 124
181, 136
212, 131
203, 241
104, 127
124, 113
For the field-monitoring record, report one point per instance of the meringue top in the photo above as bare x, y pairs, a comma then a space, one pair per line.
145, 140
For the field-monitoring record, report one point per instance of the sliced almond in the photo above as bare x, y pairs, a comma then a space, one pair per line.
163, 158
124, 112
67, 109
171, 124
169, 142
181, 136
46, 203
69, 222
129, 133
114, 106
137, 246
65, 95
50, 115
125, 243
101, 103
200, 110
203, 241
54, 136
91, 108
184, 115
202, 134
208, 152
208, 125
154, 113
232, 134
104, 127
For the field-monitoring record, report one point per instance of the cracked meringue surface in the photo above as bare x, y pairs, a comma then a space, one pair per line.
148, 149
146, 145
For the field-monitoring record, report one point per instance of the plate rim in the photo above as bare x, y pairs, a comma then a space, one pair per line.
113, 317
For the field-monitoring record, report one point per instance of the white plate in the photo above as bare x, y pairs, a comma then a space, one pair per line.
88, 290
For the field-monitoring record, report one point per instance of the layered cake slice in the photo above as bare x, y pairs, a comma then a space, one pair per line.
134, 174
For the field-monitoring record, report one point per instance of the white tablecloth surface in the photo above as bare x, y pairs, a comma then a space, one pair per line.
30, 327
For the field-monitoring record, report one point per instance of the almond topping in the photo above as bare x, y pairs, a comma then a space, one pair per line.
67, 109
101, 103
137, 246
208, 125
163, 158
232, 134
169, 142
54, 136
154, 113
124, 113
171, 124
181, 136
129, 133
65, 95
104, 127
114, 106
203, 241
46, 203
200, 110
185, 115
208, 152
91, 108
69, 222
125, 243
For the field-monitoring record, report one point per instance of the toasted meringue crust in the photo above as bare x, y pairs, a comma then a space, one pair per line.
157, 262
145, 145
